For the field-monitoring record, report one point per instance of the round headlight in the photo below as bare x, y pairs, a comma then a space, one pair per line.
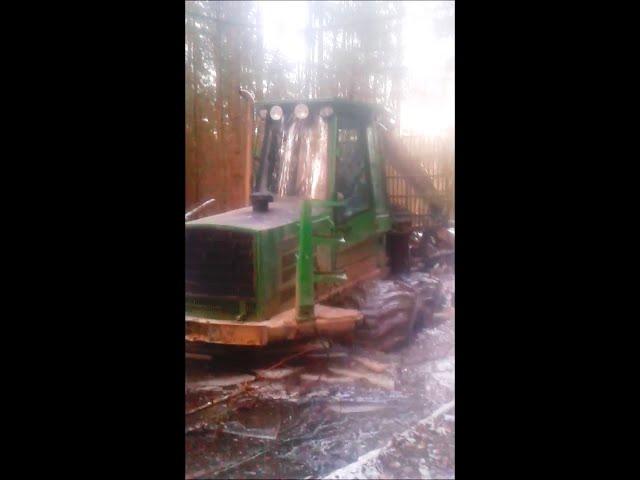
263, 113
276, 112
301, 111
326, 112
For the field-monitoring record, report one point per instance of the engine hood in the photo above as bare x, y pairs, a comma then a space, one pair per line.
282, 212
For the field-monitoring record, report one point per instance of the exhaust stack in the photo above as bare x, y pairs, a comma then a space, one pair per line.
248, 96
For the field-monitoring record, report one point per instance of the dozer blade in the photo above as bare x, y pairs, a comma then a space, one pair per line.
328, 322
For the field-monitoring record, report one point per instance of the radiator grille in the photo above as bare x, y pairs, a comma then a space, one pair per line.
219, 264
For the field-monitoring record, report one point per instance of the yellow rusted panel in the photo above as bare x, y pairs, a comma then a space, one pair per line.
329, 321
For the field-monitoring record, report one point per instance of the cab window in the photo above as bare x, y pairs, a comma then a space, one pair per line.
352, 175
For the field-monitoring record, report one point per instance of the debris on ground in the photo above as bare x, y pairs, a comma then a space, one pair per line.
371, 364
275, 374
314, 410
357, 408
398, 458
310, 377
379, 380
221, 381
327, 355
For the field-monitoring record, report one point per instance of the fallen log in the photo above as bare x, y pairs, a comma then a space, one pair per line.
371, 364
376, 379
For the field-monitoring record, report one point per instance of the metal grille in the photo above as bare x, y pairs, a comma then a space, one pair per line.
219, 264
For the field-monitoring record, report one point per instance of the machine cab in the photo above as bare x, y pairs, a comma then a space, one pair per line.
323, 150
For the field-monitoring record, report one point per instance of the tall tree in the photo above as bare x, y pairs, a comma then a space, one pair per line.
353, 51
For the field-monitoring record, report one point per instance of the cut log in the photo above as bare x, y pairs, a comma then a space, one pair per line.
371, 364
276, 373
221, 381
377, 379
309, 377
363, 408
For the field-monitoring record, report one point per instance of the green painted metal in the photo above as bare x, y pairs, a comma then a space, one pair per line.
305, 275
268, 269
304, 272
331, 241
331, 194
316, 231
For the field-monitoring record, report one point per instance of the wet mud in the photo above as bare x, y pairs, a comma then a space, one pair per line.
310, 411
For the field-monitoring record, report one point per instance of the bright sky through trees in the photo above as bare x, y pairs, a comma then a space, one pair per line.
428, 56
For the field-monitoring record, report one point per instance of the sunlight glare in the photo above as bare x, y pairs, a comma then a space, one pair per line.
428, 106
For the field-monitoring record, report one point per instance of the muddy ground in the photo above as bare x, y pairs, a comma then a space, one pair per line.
337, 411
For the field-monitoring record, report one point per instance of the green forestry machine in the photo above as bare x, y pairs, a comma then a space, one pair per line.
316, 224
